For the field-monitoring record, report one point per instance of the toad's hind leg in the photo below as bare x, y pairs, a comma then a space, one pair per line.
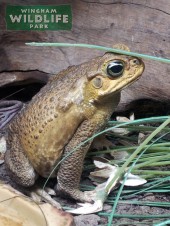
71, 168
17, 163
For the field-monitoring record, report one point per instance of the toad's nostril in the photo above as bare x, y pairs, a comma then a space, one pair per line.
136, 61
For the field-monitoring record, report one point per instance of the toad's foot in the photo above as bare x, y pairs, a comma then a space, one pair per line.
90, 195
39, 195
96, 196
74, 193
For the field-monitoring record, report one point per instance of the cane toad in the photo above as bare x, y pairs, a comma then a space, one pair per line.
71, 107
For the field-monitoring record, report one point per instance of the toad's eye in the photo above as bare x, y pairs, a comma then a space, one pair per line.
115, 68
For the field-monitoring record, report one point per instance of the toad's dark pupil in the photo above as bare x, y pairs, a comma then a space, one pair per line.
115, 69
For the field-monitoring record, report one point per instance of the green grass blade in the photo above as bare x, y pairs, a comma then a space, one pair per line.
106, 49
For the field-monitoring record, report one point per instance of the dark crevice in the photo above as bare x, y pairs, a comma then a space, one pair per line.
24, 71
21, 85
143, 108
21, 91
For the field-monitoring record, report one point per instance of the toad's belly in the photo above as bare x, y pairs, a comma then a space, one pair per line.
45, 149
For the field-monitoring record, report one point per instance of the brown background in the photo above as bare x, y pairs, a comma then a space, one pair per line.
143, 25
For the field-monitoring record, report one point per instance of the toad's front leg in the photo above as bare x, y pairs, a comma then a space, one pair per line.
71, 168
